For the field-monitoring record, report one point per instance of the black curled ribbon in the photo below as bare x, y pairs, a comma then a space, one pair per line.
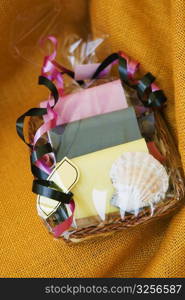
41, 185
144, 87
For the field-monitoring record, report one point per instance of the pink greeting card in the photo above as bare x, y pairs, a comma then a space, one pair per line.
89, 102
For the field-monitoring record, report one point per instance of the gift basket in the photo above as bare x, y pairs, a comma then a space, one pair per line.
101, 153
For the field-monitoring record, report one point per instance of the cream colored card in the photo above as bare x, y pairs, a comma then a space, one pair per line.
65, 175
94, 179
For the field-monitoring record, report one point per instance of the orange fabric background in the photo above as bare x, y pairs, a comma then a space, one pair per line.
152, 32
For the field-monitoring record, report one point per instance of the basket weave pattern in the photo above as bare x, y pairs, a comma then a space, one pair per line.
161, 208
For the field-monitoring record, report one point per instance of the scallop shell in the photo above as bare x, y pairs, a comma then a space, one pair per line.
139, 180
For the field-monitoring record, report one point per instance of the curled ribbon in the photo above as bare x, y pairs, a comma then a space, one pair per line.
148, 92
49, 69
41, 185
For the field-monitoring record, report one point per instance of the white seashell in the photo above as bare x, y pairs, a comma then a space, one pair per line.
139, 180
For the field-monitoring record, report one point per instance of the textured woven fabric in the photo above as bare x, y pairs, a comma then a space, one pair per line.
152, 32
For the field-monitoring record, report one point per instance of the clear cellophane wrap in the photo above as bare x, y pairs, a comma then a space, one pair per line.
160, 146
131, 178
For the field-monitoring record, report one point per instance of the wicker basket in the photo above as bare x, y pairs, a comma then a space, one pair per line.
114, 222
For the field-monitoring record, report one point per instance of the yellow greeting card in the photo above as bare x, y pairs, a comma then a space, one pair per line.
94, 182
87, 177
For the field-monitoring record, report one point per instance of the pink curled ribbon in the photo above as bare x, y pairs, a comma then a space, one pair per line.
132, 65
43, 163
50, 71
63, 226
49, 68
